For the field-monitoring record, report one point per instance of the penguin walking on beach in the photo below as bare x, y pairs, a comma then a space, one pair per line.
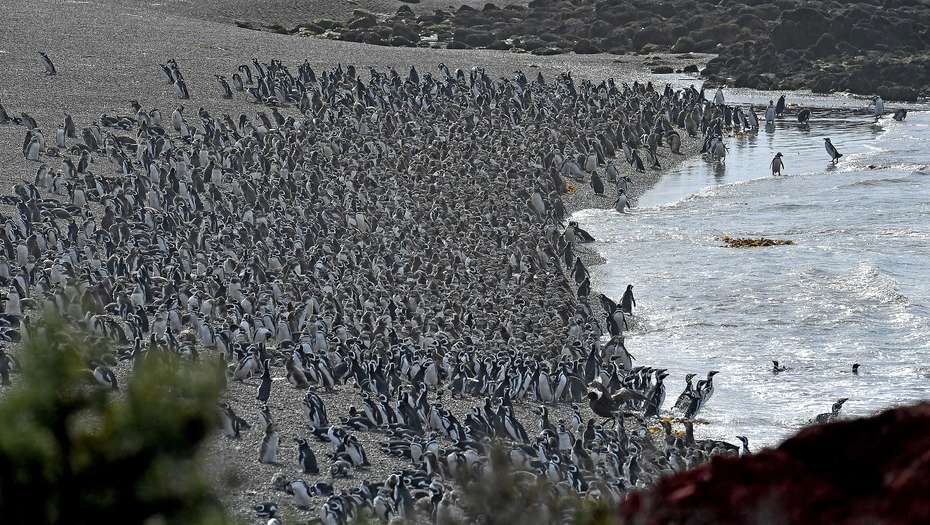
227, 91
597, 184
306, 457
49, 66
831, 149
627, 302
780, 106
777, 165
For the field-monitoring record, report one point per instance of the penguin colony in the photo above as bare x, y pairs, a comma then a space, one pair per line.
399, 242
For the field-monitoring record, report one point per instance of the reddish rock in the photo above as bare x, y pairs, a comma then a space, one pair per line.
873, 471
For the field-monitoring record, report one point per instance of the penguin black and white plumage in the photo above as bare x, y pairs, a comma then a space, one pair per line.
301, 492
804, 116
777, 165
268, 452
622, 203
597, 184
105, 377
780, 106
264, 388
832, 151
231, 423
266, 510
306, 458
49, 66
224, 87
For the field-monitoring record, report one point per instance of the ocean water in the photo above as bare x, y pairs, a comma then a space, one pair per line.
855, 288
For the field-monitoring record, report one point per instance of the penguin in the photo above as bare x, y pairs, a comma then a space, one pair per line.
804, 116
718, 97
834, 413
301, 492
878, 106
656, 395
597, 184
49, 66
831, 149
770, 114
627, 302
780, 106
231, 423
744, 450
777, 368
105, 377
224, 86
684, 399
777, 165
855, 368
268, 452
900, 115
622, 203
306, 457
605, 404
266, 510
264, 388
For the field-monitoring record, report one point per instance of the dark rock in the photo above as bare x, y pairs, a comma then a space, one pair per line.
326, 23
404, 11
363, 22
901, 93
874, 470
499, 45
548, 51
683, 45
691, 68
585, 47
662, 70
799, 28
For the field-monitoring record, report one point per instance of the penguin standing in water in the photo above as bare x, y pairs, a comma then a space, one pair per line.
622, 203
770, 114
831, 149
777, 165
879, 106
804, 115
780, 106
718, 97
900, 115
627, 302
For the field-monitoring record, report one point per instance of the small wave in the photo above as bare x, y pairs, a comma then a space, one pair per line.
870, 284
874, 182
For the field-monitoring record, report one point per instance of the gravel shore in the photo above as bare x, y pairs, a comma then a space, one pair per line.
107, 53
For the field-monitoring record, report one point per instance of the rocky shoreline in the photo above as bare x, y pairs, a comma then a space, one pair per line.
867, 48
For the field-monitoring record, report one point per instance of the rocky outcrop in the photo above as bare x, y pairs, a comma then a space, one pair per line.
868, 47
867, 471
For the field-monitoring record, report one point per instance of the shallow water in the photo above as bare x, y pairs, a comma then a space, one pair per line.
854, 288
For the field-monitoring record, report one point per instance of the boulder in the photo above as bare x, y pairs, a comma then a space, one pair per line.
874, 470
799, 28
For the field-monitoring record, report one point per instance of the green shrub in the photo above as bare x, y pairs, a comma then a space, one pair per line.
72, 452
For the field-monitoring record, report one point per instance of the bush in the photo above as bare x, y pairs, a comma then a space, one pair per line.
72, 452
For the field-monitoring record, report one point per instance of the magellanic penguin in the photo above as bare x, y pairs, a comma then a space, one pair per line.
777, 165
49, 66
900, 115
831, 149
306, 457
804, 115
622, 203
827, 417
